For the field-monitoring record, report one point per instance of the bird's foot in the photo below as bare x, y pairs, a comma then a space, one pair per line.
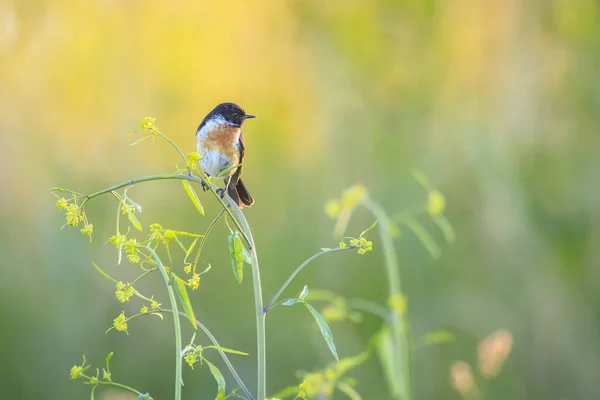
221, 192
204, 186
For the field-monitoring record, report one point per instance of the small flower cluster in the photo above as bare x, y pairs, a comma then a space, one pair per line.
363, 245
193, 354
120, 323
74, 215
148, 124
351, 198
124, 292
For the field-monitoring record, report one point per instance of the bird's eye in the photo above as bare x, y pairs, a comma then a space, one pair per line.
235, 115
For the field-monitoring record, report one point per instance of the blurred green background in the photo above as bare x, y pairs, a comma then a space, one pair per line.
498, 102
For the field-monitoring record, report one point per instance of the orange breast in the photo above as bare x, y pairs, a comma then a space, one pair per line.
223, 138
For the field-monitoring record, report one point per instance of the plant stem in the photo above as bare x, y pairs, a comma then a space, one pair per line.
261, 345
221, 353
398, 319
176, 322
159, 177
296, 271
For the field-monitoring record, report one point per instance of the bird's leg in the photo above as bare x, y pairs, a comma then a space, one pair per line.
222, 191
204, 185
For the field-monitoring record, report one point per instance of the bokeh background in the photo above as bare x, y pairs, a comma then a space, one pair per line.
498, 102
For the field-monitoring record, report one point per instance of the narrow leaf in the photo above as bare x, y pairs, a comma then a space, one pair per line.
385, 349
226, 350
445, 227
236, 253
438, 337
185, 300
363, 233
424, 236
290, 302
225, 172
348, 391
132, 218
304, 293
193, 196
216, 373
324, 328
104, 274
108, 357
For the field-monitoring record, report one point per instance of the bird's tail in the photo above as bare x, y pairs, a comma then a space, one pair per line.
240, 194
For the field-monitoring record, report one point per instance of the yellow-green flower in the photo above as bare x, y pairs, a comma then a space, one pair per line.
120, 323
144, 309
148, 123
194, 282
73, 215
191, 358
123, 292
436, 203
397, 303
333, 208
62, 203
154, 305
76, 371
353, 195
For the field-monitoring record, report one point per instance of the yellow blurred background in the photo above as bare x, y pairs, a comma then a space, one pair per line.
498, 102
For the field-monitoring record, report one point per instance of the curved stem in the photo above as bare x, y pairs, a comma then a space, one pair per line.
160, 177
221, 353
296, 271
398, 317
176, 322
261, 345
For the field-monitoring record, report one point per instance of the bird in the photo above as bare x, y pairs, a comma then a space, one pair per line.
220, 144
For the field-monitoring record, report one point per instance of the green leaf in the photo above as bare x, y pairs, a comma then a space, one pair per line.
140, 140
445, 227
225, 172
324, 328
346, 364
193, 196
236, 253
107, 361
438, 337
216, 373
129, 211
226, 350
104, 274
424, 236
363, 233
304, 293
136, 205
185, 300
385, 350
189, 251
348, 391
290, 302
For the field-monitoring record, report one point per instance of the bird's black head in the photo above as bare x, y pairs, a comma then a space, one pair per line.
231, 113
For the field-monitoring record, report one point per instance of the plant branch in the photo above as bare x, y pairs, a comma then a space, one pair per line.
159, 177
221, 353
398, 317
261, 345
271, 303
176, 322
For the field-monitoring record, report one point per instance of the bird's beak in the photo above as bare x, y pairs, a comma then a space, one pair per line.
248, 116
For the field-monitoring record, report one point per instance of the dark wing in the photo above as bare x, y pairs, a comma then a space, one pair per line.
238, 173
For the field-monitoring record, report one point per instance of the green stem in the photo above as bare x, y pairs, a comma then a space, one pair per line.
398, 319
176, 322
221, 353
175, 146
271, 303
115, 384
160, 177
261, 348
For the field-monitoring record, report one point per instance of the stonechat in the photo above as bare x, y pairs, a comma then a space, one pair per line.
220, 143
